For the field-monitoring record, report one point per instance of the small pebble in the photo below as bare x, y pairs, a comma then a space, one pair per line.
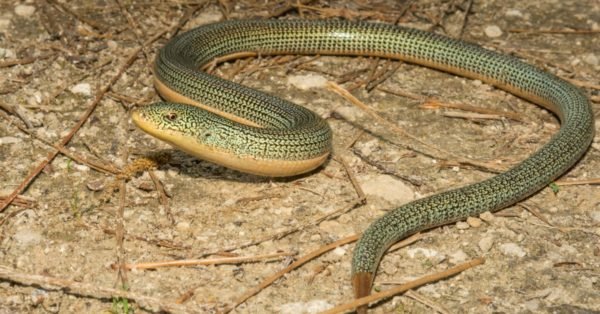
82, 89
458, 257
388, 188
332, 227
307, 81
95, 185
474, 222
512, 249
9, 140
514, 13
82, 168
24, 10
487, 216
145, 185
112, 45
367, 148
6, 53
25, 237
461, 225
183, 226
426, 252
14, 300
209, 16
595, 215
4, 24
492, 31
350, 113
312, 306
114, 119
345, 219
486, 243
532, 305
590, 59
339, 251
38, 296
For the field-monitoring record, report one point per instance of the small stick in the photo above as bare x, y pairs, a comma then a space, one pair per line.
402, 288
162, 196
269, 280
91, 22
21, 202
120, 235
434, 104
17, 110
535, 212
410, 179
11, 214
382, 76
9, 63
208, 261
465, 18
578, 182
186, 295
402, 93
355, 139
583, 83
424, 300
359, 191
554, 31
161, 243
472, 116
406, 242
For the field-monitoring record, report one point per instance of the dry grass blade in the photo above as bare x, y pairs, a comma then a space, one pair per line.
472, 116
534, 211
555, 31
210, 261
578, 182
435, 104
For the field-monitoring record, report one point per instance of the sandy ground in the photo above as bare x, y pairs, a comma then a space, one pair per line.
74, 222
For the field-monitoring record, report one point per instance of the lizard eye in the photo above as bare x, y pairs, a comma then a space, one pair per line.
171, 116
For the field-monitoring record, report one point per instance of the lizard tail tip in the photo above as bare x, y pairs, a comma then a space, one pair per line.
361, 282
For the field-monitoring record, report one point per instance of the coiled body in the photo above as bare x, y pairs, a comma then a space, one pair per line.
269, 130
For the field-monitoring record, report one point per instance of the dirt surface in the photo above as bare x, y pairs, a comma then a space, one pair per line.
69, 222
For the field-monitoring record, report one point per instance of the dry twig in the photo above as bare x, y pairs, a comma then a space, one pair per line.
578, 182
209, 261
402, 288
91, 290
268, 281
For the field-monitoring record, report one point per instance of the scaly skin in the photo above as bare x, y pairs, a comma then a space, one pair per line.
274, 130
